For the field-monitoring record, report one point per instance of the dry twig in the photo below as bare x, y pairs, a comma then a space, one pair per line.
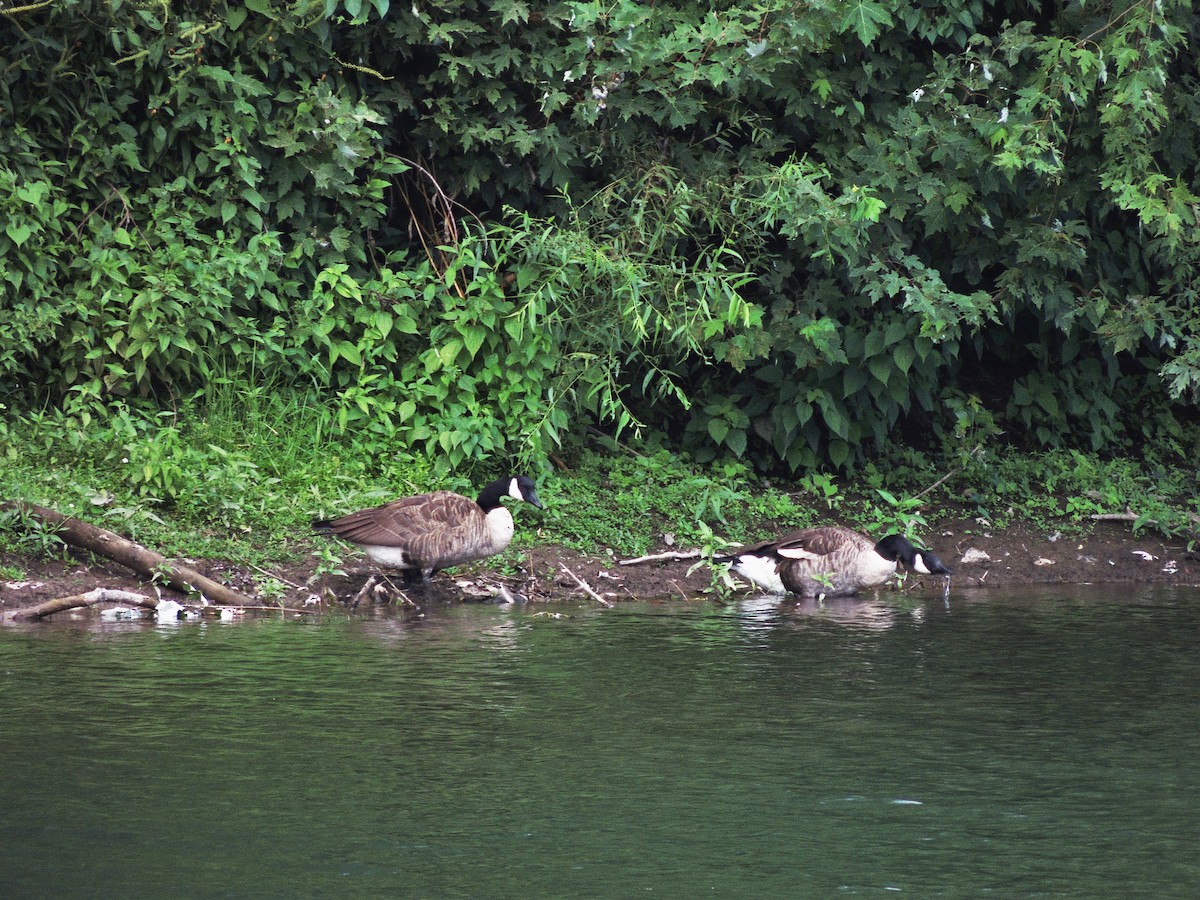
585, 587
947, 476
276, 576
674, 555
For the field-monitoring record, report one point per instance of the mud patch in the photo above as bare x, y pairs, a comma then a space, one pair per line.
979, 555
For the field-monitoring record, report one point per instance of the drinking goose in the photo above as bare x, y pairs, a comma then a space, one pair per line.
829, 561
426, 533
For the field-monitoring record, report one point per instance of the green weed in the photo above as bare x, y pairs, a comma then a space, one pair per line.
238, 472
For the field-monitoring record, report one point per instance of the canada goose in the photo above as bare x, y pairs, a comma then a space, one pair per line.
829, 560
426, 533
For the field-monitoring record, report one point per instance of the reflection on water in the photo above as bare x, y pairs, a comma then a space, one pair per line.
848, 612
1040, 743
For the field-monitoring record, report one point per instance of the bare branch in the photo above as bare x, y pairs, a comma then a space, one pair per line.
673, 555
948, 475
91, 598
585, 587
1130, 516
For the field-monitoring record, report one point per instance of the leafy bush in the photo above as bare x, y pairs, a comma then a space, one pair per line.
793, 236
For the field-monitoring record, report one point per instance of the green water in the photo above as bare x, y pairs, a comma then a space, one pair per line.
1035, 745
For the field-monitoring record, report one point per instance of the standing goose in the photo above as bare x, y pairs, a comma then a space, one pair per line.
426, 533
829, 561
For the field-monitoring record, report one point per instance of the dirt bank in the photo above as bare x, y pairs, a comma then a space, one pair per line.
980, 556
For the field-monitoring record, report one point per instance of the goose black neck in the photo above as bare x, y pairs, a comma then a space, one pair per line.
896, 548
489, 497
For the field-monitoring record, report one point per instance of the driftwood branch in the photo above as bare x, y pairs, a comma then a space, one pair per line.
1130, 516
585, 587
91, 598
144, 561
1127, 516
112, 595
673, 555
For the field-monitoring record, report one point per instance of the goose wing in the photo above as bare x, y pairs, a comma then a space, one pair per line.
817, 543
424, 525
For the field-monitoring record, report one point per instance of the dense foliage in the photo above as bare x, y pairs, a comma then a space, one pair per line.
797, 233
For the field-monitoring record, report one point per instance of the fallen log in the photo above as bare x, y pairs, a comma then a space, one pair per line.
142, 560
76, 601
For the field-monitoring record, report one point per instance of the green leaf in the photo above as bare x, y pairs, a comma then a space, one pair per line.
853, 380
865, 19
903, 356
838, 453
382, 321
18, 234
515, 11
262, 7
874, 343
736, 441
405, 324
835, 418
449, 351
33, 193
718, 429
350, 352
255, 199
473, 337
881, 368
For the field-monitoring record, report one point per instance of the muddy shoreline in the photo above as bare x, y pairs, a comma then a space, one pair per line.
982, 557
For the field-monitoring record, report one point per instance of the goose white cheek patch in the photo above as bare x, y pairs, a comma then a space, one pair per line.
919, 566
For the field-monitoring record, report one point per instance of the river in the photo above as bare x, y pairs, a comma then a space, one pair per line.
1038, 743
